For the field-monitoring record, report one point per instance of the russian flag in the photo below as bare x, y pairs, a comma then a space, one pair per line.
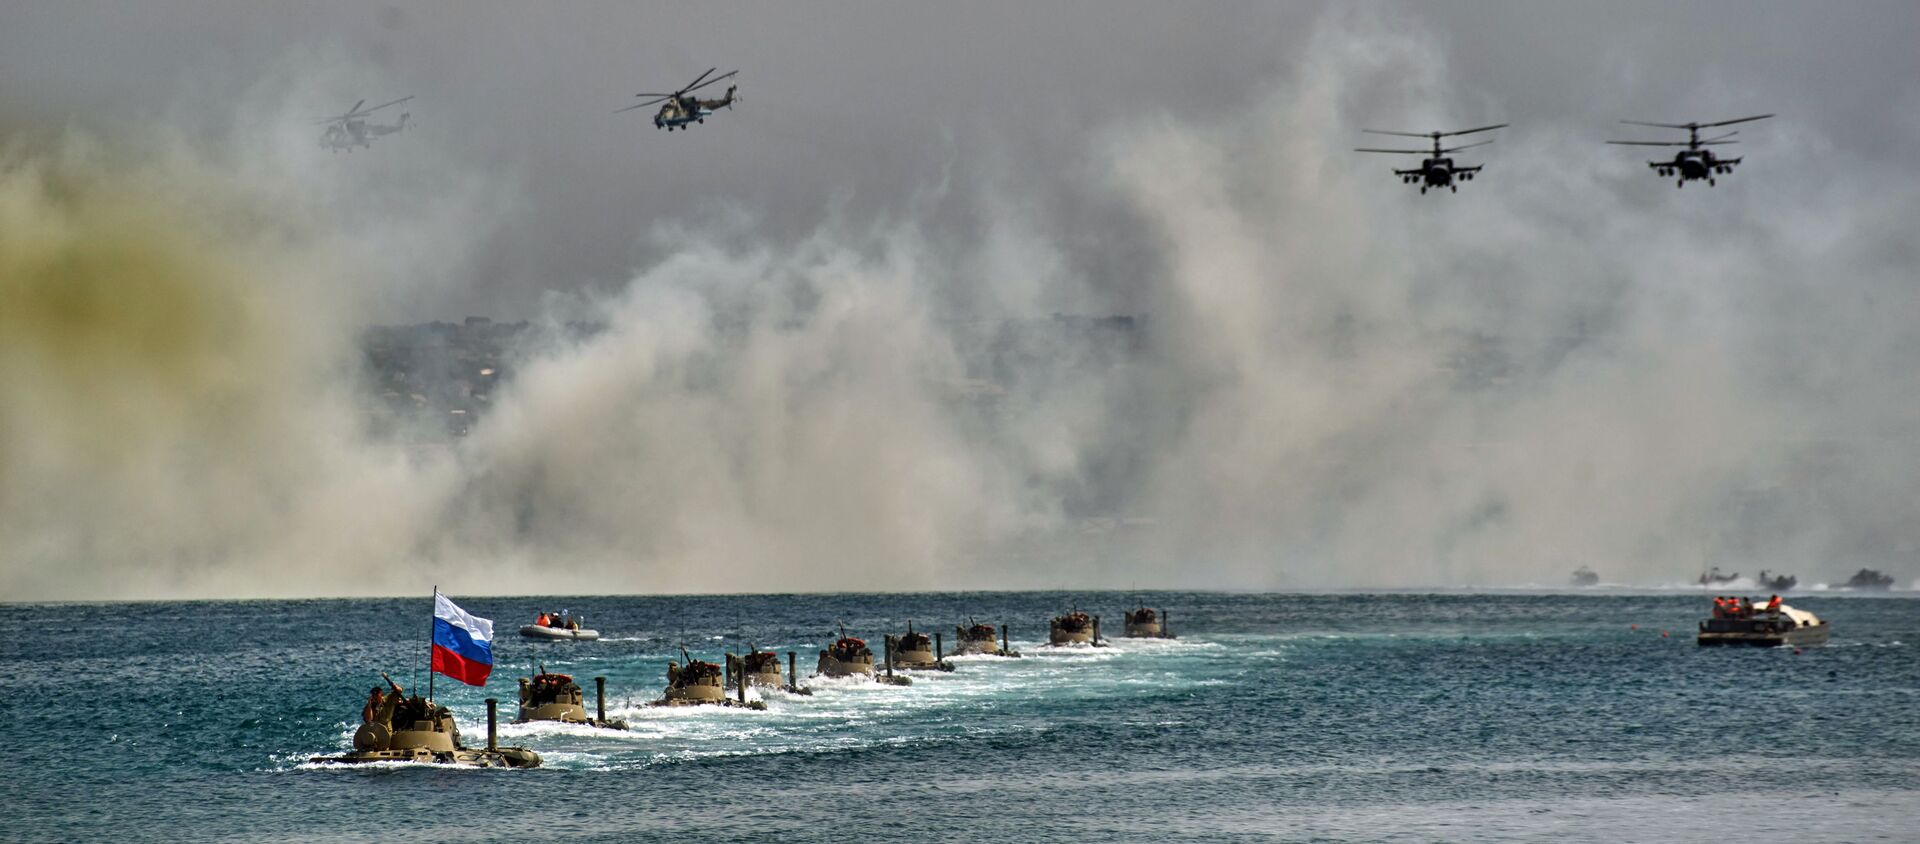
462, 643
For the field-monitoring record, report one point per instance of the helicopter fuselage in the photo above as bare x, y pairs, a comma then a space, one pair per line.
1438, 172
1694, 164
348, 134
673, 118
682, 110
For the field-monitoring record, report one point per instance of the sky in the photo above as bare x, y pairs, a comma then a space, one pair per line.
1343, 383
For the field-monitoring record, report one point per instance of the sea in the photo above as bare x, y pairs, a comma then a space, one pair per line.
1461, 716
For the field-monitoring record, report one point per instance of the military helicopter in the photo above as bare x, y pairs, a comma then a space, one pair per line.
681, 109
346, 131
1692, 162
1435, 171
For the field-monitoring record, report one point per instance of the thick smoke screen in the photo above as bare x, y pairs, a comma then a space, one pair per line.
1216, 350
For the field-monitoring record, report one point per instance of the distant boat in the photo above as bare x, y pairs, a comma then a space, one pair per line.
560, 627
1777, 583
1584, 576
1870, 580
1712, 577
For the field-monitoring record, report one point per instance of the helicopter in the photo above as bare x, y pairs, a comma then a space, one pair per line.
1435, 171
681, 109
1692, 162
346, 131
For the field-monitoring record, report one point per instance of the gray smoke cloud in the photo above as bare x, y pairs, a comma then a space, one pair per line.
1327, 381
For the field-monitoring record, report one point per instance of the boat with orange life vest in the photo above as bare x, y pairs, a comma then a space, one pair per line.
560, 627
1738, 621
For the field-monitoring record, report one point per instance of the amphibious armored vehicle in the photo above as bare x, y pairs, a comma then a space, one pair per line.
850, 657
1584, 576
1074, 628
1736, 621
696, 683
1714, 577
977, 638
1870, 580
847, 657
1144, 623
915, 651
415, 729
762, 670
556, 697
1777, 582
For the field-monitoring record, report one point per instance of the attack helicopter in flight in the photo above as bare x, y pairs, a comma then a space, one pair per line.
1694, 162
1436, 171
346, 131
681, 107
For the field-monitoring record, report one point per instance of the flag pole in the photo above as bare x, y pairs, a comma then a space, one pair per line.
430, 624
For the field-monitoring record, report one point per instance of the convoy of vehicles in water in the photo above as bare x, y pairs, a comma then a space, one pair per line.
397, 727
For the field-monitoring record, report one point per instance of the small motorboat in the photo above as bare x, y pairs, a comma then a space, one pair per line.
1738, 621
559, 627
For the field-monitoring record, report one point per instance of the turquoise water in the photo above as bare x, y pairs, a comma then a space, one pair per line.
1505, 717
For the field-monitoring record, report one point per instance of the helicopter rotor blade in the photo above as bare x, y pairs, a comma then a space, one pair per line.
1401, 134
1650, 143
1662, 125
1739, 120
1466, 146
1471, 131
1718, 138
1393, 151
358, 112
696, 80
356, 108
709, 82
632, 107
